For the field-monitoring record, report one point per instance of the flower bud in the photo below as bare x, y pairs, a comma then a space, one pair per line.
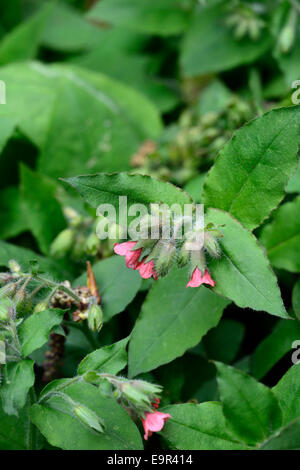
73, 217
165, 259
8, 290
92, 244
62, 243
95, 317
183, 255
89, 418
14, 266
40, 307
20, 299
147, 387
6, 309
138, 398
211, 244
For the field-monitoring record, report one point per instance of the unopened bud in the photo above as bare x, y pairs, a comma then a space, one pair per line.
8, 290
135, 396
20, 299
14, 266
211, 244
147, 387
165, 258
62, 243
73, 217
95, 318
6, 309
197, 260
183, 255
92, 244
40, 307
89, 418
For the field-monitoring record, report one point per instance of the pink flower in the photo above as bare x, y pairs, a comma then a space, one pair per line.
154, 422
147, 270
131, 257
197, 279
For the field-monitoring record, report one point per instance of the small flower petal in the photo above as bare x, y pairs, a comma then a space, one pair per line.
197, 279
154, 422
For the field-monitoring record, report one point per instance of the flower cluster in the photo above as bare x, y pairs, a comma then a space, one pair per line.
155, 258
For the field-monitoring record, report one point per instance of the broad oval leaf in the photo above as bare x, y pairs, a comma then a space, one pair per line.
173, 319
106, 188
162, 17
287, 392
274, 347
199, 427
251, 172
57, 423
250, 407
109, 359
34, 331
18, 378
281, 237
287, 438
243, 273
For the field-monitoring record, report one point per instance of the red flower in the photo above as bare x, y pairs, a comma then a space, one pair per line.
132, 259
154, 422
197, 279
147, 270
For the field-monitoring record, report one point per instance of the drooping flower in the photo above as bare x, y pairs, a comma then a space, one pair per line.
131, 257
197, 279
147, 270
154, 422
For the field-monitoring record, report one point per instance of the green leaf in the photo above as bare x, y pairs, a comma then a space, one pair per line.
281, 237
296, 299
274, 347
251, 172
223, 342
67, 30
109, 359
22, 43
162, 17
16, 431
106, 188
10, 205
44, 213
79, 119
287, 392
195, 187
117, 285
18, 378
243, 273
9, 251
294, 182
35, 330
215, 98
250, 407
287, 438
55, 420
172, 320
8, 125
199, 427
209, 45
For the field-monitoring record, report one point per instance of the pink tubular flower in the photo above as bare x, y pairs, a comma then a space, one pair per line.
131, 257
197, 279
154, 422
147, 270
